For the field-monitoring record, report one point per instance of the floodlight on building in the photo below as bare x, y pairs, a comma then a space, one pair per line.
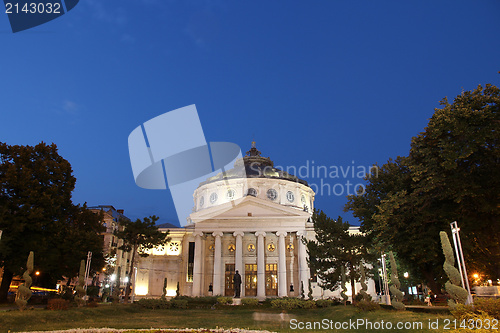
406, 275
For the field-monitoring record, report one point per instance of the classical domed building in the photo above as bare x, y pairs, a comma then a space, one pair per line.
250, 219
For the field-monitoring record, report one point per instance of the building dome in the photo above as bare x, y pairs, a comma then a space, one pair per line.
254, 175
254, 166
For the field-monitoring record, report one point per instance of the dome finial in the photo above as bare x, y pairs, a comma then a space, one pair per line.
253, 151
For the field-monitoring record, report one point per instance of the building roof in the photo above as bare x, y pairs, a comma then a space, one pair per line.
167, 226
254, 166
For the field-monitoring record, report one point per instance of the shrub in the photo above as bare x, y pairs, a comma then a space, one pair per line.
80, 290
250, 301
365, 305
224, 300
57, 304
208, 300
155, 303
453, 286
24, 292
179, 303
486, 306
286, 303
324, 303
397, 295
309, 304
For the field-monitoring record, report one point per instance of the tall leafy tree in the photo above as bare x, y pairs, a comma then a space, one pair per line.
35, 196
37, 214
451, 174
335, 249
139, 237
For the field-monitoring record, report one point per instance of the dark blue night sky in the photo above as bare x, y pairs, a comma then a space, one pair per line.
324, 83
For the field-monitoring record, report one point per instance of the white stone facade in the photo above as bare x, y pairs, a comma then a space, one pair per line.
254, 225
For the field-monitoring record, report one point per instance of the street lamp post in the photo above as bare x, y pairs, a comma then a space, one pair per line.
455, 230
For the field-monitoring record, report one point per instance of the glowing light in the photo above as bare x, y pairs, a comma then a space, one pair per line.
406, 274
171, 292
141, 290
37, 273
476, 276
125, 279
112, 277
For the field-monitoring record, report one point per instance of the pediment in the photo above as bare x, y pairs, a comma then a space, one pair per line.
247, 208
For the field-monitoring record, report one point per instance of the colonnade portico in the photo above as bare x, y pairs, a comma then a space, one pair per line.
217, 276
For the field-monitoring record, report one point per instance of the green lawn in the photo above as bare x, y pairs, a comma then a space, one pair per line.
132, 316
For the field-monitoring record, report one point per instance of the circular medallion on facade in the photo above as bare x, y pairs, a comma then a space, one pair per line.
252, 192
230, 194
213, 197
271, 247
289, 246
272, 194
289, 196
251, 248
202, 201
231, 248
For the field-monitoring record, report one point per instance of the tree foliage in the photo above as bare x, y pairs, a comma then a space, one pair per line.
37, 214
139, 237
335, 247
451, 174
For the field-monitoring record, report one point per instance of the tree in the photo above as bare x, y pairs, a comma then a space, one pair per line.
451, 174
35, 194
37, 214
139, 237
81, 233
336, 248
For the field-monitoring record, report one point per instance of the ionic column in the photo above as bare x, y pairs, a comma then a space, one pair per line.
261, 265
217, 283
303, 267
281, 264
197, 274
238, 259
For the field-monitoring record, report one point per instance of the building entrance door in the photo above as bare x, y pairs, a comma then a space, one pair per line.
272, 280
229, 283
251, 280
